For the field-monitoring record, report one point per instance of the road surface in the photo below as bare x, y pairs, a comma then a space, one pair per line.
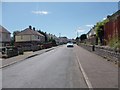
54, 69
61, 68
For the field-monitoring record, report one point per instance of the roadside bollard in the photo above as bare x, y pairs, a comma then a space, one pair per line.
93, 47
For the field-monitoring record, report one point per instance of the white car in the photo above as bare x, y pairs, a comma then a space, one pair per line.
70, 45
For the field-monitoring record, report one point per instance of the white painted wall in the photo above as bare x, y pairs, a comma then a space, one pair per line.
22, 38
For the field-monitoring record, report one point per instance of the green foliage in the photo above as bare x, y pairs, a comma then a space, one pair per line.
50, 39
105, 21
114, 43
100, 30
77, 38
12, 41
13, 38
15, 33
43, 33
53, 41
99, 27
83, 37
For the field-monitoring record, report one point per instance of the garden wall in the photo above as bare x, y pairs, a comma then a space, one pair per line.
105, 52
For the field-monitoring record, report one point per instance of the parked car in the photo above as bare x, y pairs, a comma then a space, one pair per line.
70, 44
20, 51
8, 51
3, 52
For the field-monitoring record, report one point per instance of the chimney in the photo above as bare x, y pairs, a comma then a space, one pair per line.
30, 27
34, 28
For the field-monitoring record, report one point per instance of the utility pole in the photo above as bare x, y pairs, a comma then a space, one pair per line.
77, 34
59, 38
59, 35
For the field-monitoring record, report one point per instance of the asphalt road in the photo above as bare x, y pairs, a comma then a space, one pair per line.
57, 68
62, 67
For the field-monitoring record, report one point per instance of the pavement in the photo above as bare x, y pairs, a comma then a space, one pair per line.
100, 72
15, 59
62, 67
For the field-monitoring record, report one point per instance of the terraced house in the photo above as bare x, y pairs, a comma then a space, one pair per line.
29, 37
4, 36
91, 36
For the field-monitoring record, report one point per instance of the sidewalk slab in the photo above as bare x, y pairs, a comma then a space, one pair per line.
100, 72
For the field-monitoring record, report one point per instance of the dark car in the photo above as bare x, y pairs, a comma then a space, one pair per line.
8, 51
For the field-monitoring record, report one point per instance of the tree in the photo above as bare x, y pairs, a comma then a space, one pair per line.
77, 39
43, 33
53, 42
83, 37
13, 38
100, 31
46, 39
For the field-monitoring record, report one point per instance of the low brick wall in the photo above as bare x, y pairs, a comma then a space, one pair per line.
31, 48
105, 52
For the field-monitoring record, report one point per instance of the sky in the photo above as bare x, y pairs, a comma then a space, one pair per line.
59, 18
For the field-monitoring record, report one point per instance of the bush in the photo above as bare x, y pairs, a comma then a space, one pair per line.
115, 43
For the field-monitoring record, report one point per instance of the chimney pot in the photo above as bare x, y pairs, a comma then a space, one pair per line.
34, 28
30, 27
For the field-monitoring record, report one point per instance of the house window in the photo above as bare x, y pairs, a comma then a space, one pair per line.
6, 36
38, 37
21, 37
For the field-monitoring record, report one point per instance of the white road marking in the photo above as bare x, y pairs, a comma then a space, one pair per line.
84, 74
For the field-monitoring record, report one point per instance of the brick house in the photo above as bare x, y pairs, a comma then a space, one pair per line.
63, 40
91, 36
4, 36
29, 38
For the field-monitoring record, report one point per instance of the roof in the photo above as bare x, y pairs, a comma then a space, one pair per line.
29, 31
39, 34
114, 15
3, 30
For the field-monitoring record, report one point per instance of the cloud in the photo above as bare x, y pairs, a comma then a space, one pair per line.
80, 30
40, 12
90, 25
104, 18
